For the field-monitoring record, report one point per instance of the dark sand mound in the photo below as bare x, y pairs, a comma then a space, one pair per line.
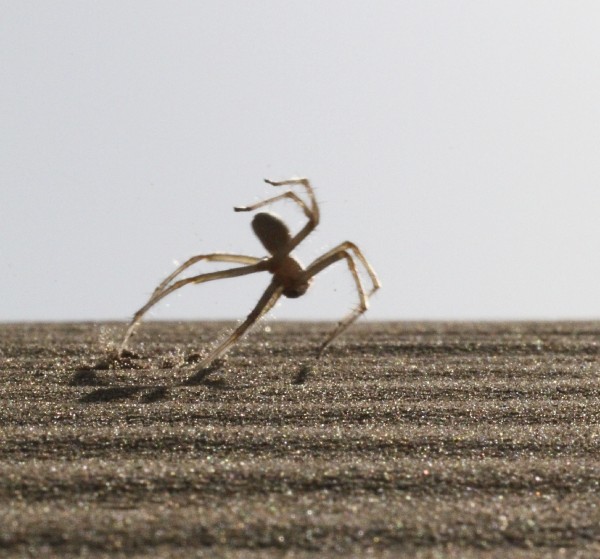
419, 440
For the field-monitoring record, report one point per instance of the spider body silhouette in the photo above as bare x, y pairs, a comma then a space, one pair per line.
290, 279
275, 236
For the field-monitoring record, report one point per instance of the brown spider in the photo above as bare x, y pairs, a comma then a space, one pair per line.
289, 277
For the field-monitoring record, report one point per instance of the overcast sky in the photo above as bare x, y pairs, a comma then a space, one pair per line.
456, 142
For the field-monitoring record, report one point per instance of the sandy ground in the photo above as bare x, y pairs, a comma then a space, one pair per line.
405, 440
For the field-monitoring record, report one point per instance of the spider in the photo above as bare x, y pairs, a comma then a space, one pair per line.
290, 279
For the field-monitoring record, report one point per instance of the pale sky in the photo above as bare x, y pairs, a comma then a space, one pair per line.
456, 142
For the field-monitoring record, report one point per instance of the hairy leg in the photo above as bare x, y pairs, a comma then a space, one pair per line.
311, 211
264, 305
213, 257
334, 255
291, 195
345, 246
202, 278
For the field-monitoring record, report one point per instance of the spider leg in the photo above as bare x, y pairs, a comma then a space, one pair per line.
345, 246
311, 211
313, 218
214, 257
201, 278
334, 255
264, 305
291, 195
303, 182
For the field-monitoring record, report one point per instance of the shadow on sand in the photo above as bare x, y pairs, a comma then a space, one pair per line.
144, 394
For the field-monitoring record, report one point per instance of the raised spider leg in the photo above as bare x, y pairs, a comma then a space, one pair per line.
291, 195
311, 211
314, 207
201, 278
330, 257
264, 305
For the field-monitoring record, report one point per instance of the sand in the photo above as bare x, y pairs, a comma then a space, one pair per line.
405, 440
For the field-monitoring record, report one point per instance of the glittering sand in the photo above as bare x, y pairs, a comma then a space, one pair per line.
405, 440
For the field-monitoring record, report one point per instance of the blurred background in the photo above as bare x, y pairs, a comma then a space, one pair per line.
457, 143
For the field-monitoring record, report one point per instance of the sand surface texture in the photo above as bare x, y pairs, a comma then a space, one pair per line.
405, 440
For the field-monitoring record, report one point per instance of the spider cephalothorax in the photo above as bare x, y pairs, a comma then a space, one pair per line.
290, 279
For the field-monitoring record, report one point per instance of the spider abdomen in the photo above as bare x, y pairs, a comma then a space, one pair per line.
272, 232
